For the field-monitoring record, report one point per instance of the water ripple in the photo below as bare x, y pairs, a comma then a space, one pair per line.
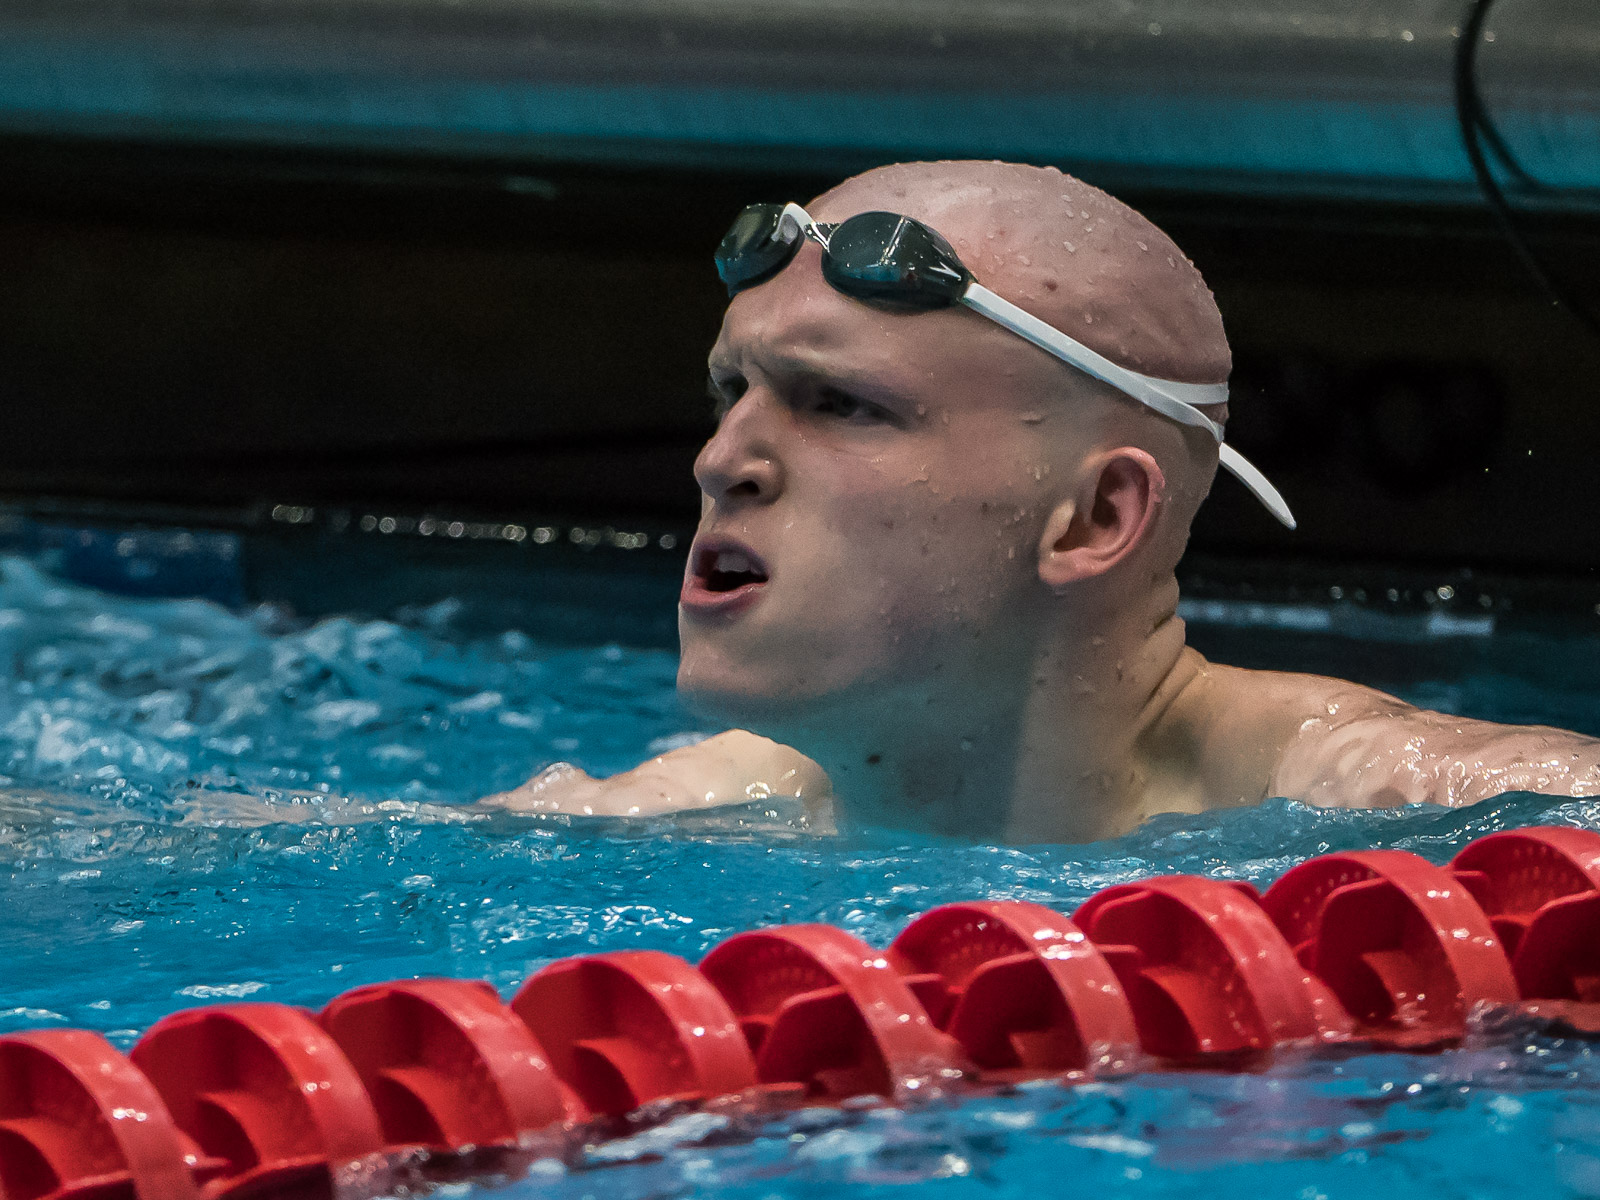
199, 804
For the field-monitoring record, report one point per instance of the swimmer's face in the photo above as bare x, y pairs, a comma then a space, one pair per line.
873, 501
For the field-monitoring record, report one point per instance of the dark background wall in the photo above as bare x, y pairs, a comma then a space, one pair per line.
204, 327
454, 254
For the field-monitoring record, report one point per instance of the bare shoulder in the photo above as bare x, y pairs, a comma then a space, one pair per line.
1340, 744
736, 767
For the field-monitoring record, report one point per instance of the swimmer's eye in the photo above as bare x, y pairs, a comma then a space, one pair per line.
724, 394
831, 402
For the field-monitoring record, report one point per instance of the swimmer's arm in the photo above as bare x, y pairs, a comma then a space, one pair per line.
1477, 760
1378, 752
731, 768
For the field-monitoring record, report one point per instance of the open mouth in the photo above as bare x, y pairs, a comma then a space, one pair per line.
729, 570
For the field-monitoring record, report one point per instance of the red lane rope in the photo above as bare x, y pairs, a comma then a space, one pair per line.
1376, 947
1021, 988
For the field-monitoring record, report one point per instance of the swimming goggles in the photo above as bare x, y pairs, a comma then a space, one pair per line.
896, 262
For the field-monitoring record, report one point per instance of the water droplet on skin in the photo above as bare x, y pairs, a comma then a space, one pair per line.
1071, 249
1088, 319
1171, 262
1084, 213
1024, 260
1141, 245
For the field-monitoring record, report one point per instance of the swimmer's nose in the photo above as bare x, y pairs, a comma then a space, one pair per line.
740, 461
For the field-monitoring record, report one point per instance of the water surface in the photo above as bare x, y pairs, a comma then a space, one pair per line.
200, 803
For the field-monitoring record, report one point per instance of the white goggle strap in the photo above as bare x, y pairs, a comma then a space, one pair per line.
1176, 401
1173, 400
1247, 473
793, 222
1170, 398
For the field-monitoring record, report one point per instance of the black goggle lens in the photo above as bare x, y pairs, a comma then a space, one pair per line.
879, 257
893, 260
752, 251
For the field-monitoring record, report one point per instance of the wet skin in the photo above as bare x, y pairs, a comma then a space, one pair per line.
940, 562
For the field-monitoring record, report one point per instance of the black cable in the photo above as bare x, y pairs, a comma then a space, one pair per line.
1497, 145
1474, 120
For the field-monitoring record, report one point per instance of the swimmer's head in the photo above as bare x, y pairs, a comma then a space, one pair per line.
1067, 252
898, 503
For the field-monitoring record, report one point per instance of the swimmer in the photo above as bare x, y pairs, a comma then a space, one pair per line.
934, 572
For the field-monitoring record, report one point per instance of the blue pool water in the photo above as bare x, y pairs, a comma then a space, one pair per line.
200, 803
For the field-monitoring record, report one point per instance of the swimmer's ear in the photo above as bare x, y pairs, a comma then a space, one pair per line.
1110, 517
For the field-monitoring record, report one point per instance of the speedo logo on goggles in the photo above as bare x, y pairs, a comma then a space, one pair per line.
893, 261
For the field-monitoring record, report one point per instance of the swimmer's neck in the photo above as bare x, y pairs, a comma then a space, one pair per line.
1059, 742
